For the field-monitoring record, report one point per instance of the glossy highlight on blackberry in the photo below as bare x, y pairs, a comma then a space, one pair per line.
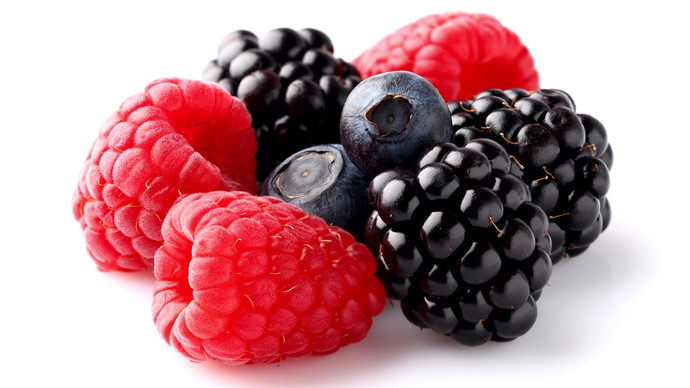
292, 84
563, 156
460, 244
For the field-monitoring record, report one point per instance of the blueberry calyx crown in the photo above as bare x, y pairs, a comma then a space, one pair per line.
307, 173
389, 119
391, 115
322, 181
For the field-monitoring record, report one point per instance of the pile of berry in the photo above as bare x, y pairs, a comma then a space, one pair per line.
292, 85
169, 186
367, 188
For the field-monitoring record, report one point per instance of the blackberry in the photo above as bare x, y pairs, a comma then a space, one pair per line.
563, 156
292, 84
459, 243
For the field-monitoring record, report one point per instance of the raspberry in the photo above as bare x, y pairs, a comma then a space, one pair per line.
246, 279
459, 53
177, 137
460, 244
563, 156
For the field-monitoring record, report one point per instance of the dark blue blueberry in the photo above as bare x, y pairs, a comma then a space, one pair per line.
322, 181
389, 119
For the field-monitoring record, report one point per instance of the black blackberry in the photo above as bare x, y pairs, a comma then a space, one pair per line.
564, 157
460, 243
292, 84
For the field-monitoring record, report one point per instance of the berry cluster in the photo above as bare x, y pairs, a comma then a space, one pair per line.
460, 244
292, 85
169, 186
457, 208
563, 156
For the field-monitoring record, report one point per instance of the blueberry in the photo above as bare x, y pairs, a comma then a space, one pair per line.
321, 180
389, 119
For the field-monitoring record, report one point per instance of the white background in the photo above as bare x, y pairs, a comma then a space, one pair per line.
617, 314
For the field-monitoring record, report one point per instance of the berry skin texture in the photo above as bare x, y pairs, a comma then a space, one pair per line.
245, 279
563, 156
389, 119
177, 137
460, 53
460, 244
291, 83
321, 180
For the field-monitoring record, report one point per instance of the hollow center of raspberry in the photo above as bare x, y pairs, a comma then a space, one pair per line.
305, 174
218, 143
207, 140
391, 115
194, 134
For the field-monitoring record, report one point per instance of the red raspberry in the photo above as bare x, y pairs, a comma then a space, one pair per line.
246, 279
177, 137
460, 53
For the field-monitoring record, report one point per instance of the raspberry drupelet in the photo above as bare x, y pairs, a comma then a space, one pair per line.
245, 279
460, 53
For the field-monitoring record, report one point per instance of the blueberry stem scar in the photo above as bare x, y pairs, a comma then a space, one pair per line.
392, 114
305, 174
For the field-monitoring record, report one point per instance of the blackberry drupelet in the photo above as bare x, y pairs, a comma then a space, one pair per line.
563, 156
460, 243
292, 84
